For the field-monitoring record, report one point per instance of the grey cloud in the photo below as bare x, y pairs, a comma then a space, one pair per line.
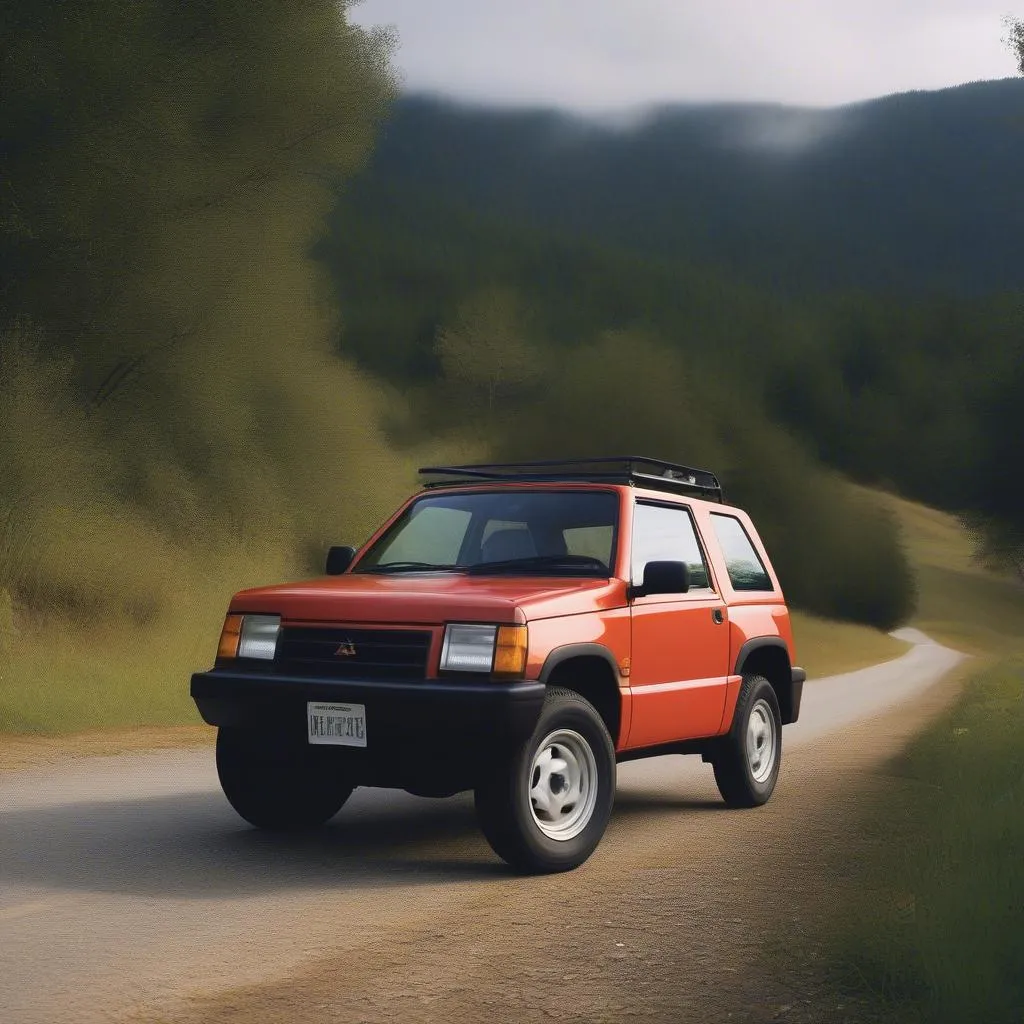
607, 55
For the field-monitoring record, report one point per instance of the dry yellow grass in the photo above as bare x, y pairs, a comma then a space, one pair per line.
960, 602
825, 647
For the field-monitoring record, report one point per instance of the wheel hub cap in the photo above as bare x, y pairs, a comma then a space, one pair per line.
761, 742
563, 784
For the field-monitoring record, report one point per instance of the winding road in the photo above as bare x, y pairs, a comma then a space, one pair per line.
129, 890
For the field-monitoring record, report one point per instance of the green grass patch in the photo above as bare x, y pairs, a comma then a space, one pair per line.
74, 679
929, 924
934, 930
973, 612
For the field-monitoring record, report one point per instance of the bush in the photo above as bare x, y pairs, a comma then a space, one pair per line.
837, 554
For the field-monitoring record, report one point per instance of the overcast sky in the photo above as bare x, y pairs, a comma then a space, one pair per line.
608, 55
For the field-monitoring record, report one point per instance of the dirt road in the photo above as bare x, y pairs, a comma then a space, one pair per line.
130, 891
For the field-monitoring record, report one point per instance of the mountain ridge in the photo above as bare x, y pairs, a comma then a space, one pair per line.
913, 192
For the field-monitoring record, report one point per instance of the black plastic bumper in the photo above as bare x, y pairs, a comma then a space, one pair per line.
405, 716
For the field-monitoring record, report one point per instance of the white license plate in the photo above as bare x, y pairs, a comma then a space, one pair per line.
340, 725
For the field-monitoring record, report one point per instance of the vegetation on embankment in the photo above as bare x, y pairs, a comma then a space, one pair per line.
929, 927
173, 421
932, 931
827, 647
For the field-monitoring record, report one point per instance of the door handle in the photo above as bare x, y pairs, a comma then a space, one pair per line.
717, 617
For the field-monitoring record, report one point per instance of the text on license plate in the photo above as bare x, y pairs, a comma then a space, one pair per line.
342, 725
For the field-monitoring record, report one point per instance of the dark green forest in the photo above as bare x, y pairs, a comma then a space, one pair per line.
852, 274
245, 289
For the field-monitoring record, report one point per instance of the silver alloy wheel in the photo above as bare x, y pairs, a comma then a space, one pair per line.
761, 745
563, 785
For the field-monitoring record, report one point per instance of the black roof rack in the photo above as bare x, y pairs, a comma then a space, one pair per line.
619, 469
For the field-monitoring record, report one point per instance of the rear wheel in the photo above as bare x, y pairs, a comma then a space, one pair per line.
545, 807
279, 785
747, 761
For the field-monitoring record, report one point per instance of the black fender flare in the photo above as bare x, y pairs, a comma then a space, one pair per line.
569, 651
756, 644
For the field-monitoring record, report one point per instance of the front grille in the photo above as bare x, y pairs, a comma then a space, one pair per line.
353, 653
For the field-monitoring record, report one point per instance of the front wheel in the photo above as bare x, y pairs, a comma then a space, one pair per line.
546, 806
747, 761
279, 785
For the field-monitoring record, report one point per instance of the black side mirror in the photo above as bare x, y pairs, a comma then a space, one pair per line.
339, 559
663, 578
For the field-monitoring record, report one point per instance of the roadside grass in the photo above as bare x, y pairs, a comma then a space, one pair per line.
825, 647
61, 674
59, 677
74, 679
934, 930
930, 927
930, 536
975, 613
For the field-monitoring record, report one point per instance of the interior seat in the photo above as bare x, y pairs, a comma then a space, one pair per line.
505, 545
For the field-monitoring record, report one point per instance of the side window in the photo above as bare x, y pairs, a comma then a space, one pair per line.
744, 565
664, 534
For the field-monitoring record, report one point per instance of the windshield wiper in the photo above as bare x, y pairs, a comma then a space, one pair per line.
534, 562
407, 567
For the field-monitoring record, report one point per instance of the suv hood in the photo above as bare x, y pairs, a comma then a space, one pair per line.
431, 598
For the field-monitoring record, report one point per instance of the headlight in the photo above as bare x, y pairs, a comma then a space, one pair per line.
484, 649
249, 636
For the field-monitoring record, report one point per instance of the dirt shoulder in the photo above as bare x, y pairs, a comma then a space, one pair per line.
18, 752
683, 921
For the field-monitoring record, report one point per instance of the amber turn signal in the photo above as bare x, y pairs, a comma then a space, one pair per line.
229, 637
510, 651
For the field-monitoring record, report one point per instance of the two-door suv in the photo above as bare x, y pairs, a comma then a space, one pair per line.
515, 629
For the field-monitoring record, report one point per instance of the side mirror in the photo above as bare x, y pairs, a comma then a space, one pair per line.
339, 559
663, 578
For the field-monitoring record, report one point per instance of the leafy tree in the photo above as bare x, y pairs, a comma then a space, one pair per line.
484, 353
164, 168
1015, 40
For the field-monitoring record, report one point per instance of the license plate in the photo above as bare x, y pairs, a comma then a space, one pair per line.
340, 725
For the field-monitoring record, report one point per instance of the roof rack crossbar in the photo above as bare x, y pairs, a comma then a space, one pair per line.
634, 469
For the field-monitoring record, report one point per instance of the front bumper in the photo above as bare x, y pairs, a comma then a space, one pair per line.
402, 717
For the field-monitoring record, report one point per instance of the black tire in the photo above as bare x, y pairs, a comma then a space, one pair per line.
519, 830
742, 779
278, 785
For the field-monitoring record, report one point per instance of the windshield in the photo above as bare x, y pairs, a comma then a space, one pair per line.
542, 533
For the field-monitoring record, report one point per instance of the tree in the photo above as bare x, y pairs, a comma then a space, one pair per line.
165, 363
1015, 40
485, 354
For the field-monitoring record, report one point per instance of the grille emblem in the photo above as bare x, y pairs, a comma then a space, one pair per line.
346, 649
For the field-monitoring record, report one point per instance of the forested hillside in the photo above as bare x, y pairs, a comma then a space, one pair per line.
853, 273
910, 192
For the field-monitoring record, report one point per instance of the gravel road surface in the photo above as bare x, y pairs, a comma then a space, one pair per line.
129, 890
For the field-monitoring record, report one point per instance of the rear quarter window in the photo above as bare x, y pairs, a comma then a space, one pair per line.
742, 562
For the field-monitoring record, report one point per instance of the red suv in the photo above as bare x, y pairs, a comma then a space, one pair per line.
515, 629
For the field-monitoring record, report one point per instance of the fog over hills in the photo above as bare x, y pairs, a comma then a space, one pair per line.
918, 191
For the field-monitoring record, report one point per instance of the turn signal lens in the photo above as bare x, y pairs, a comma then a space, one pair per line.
229, 637
510, 651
